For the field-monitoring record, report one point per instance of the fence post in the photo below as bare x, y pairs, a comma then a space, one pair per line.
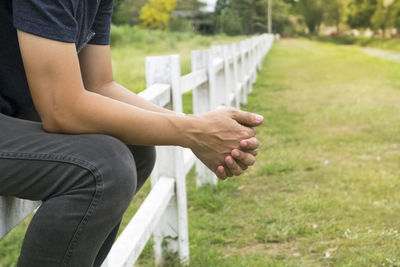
240, 73
245, 70
218, 78
173, 226
259, 52
202, 104
253, 60
229, 53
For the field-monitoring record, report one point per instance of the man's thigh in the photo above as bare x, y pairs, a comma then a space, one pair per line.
37, 165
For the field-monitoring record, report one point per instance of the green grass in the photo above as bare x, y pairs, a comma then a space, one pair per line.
381, 43
324, 191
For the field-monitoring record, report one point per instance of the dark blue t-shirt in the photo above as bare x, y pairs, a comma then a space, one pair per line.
73, 21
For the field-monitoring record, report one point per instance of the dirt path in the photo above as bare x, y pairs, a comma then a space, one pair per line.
387, 54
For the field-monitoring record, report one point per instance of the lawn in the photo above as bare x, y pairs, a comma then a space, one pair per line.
392, 44
324, 191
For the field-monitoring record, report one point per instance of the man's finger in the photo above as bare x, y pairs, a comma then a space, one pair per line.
232, 166
247, 118
253, 152
242, 166
221, 173
244, 157
249, 144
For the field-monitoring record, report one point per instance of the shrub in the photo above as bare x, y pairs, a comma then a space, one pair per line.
230, 24
177, 24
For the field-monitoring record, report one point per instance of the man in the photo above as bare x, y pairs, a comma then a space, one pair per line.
80, 142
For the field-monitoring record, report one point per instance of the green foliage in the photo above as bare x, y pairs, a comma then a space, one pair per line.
395, 15
334, 12
177, 24
229, 23
381, 18
312, 12
140, 38
360, 12
250, 16
190, 5
281, 18
156, 13
127, 11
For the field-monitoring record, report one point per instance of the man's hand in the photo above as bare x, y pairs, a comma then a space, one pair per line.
240, 159
224, 135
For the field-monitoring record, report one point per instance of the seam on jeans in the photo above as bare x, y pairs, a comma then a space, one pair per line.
89, 166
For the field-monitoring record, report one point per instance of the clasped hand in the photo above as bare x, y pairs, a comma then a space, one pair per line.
225, 140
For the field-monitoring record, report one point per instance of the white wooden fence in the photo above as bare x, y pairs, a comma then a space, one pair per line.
222, 75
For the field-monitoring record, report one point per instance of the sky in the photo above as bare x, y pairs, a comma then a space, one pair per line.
210, 4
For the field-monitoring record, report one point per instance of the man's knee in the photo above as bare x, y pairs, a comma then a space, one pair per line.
149, 158
117, 168
145, 158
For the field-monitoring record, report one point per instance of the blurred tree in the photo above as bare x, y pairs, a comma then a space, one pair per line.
221, 5
312, 12
156, 13
281, 15
381, 19
334, 12
251, 13
190, 5
250, 16
360, 12
395, 15
127, 11
229, 23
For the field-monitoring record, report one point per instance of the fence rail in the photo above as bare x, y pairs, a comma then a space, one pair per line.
222, 75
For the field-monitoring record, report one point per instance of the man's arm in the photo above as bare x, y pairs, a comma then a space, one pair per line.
59, 94
97, 75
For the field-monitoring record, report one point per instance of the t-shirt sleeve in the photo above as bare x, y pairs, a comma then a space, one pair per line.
51, 19
102, 23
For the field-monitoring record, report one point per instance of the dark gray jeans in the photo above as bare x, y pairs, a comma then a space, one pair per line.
86, 183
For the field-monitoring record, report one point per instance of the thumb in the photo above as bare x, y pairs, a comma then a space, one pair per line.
247, 118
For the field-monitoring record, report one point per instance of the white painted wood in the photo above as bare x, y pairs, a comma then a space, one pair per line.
253, 60
158, 94
173, 226
14, 210
233, 69
259, 52
248, 68
133, 239
193, 79
189, 159
223, 78
201, 105
241, 73
218, 63
217, 76
159, 70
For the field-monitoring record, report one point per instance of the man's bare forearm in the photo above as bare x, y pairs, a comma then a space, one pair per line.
94, 113
120, 93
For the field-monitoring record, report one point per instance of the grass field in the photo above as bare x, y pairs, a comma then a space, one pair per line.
392, 44
324, 191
